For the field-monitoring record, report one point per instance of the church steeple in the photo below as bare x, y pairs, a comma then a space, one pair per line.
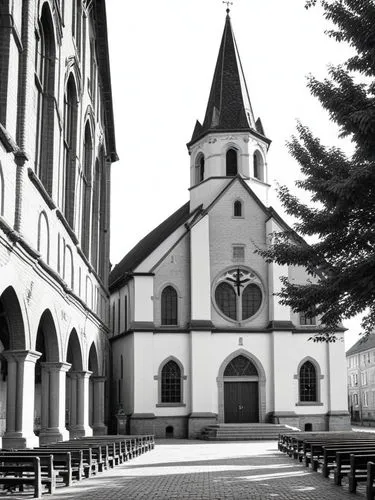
229, 107
230, 142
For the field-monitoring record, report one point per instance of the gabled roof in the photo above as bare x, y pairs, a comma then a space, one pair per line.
148, 244
229, 108
362, 345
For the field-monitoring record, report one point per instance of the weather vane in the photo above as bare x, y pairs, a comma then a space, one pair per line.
228, 4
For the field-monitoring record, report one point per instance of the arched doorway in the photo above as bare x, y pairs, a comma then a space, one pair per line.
241, 389
4, 346
93, 367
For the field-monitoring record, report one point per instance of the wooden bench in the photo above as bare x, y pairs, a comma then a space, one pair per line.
313, 452
67, 464
358, 469
19, 470
92, 461
370, 488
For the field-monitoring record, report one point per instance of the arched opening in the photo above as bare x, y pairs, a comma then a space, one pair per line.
70, 146
199, 168
258, 165
169, 432
68, 267
237, 209
12, 337
86, 191
241, 391
74, 357
47, 344
231, 163
102, 263
45, 74
94, 368
169, 306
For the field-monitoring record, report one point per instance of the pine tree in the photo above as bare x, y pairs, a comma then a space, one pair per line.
341, 187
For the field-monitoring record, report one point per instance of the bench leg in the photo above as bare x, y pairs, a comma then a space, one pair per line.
352, 484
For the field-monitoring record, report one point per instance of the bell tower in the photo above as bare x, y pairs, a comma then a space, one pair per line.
230, 141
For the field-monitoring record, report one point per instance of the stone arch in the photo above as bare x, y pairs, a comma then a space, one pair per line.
261, 383
43, 236
93, 366
47, 344
14, 318
74, 352
93, 362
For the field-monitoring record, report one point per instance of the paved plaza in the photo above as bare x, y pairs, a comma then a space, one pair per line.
213, 471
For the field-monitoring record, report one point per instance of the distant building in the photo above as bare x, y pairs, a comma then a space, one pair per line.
361, 381
199, 337
56, 147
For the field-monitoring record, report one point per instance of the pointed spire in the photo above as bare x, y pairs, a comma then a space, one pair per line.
229, 108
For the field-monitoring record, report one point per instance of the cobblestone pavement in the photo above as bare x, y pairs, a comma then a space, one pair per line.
209, 471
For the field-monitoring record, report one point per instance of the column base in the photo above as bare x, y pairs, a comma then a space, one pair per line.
79, 431
99, 430
15, 440
53, 435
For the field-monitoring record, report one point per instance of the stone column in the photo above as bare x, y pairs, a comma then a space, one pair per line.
98, 406
20, 399
80, 404
53, 402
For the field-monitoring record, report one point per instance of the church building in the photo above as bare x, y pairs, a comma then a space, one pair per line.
198, 335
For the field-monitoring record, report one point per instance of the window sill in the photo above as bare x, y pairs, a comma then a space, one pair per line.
309, 403
171, 405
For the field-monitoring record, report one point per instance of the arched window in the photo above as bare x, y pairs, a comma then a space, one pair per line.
251, 300
225, 297
231, 163
77, 23
258, 166
307, 382
68, 267
169, 306
102, 263
70, 144
307, 318
43, 237
171, 383
45, 61
86, 191
237, 209
121, 367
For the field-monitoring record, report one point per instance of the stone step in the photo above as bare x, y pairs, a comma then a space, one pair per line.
243, 432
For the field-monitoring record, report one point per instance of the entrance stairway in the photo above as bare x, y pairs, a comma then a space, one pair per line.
244, 432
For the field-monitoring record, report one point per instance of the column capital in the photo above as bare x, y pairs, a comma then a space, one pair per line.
80, 374
98, 379
21, 355
58, 366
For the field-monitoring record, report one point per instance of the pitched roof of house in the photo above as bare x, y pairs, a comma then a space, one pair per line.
229, 107
362, 345
148, 244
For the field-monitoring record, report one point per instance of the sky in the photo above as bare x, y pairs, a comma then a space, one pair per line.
163, 54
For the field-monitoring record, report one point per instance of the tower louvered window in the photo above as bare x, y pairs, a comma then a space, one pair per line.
231, 163
171, 383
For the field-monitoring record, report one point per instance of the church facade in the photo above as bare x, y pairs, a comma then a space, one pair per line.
56, 147
198, 336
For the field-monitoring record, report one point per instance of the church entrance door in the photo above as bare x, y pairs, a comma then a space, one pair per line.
241, 391
241, 402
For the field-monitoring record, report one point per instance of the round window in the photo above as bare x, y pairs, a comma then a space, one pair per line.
238, 295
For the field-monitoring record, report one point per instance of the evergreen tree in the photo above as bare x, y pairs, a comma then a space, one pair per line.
342, 187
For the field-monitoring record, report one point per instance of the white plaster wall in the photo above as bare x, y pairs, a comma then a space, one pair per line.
338, 383
143, 372
124, 346
200, 270
143, 293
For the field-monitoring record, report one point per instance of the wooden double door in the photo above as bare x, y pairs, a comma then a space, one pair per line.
241, 402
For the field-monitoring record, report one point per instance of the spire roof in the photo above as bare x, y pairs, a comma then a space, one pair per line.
229, 108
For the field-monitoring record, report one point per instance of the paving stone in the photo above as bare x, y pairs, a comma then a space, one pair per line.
196, 470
